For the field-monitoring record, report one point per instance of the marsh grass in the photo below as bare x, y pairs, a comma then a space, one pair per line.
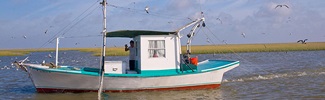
278, 47
197, 49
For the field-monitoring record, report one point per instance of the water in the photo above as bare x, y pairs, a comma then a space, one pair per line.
267, 75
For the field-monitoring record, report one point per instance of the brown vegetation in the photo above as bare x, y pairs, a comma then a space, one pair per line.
198, 49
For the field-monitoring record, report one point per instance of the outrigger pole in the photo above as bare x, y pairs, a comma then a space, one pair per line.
196, 24
190, 24
100, 90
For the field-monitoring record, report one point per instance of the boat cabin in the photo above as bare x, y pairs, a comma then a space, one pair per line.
155, 50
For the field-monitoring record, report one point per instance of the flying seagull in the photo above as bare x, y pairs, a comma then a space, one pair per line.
189, 18
147, 9
302, 41
289, 19
46, 31
281, 6
25, 36
208, 40
224, 41
219, 20
50, 56
243, 34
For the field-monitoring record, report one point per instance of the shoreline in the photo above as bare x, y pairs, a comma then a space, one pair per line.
196, 49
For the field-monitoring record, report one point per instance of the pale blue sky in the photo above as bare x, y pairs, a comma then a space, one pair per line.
258, 19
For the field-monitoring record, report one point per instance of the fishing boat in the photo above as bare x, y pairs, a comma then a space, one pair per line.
159, 65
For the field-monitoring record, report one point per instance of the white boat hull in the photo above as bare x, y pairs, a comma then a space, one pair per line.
51, 81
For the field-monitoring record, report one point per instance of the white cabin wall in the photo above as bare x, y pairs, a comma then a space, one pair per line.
178, 51
167, 62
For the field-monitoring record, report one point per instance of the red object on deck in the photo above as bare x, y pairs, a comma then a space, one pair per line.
194, 60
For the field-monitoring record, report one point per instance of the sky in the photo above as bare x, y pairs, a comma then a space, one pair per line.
35, 23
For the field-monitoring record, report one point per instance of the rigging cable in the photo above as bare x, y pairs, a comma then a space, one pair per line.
214, 44
245, 70
51, 39
64, 30
142, 12
237, 53
86, 36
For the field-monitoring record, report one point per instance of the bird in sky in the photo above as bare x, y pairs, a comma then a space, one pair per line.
243, 34
224, 41
147, 9
281, 6
219, 20
25, 37
46, 31
289, 19
302, 41
208, 40
50, 56
189, 18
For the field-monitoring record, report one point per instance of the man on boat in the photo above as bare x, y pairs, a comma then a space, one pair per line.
132, 54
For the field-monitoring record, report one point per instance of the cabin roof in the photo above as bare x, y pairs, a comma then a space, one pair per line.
134, 33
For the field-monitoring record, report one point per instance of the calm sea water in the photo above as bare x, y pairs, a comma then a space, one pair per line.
266, 75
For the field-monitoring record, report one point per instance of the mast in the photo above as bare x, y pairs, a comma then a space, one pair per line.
100, 90
57, 51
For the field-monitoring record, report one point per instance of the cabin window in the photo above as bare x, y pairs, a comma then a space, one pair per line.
156, 48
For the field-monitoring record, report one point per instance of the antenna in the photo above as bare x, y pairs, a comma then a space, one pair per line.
202, 16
